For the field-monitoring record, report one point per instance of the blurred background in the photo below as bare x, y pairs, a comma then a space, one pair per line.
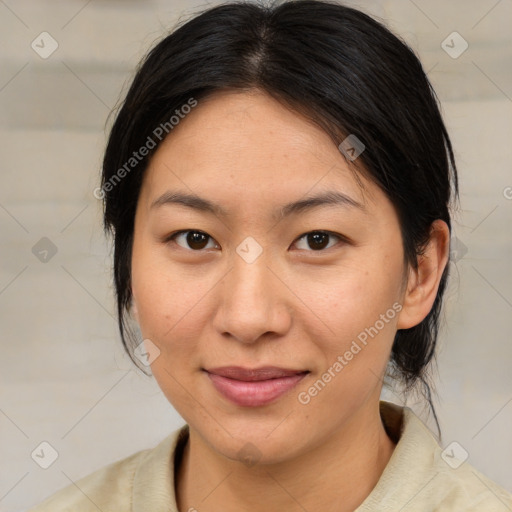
65, 379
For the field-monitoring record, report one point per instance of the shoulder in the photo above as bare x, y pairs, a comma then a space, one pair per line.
422, 476
106, 489
457, 485
467, 489
451, 482
110, 488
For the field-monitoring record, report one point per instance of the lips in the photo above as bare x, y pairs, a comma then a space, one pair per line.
254, 374
252, 387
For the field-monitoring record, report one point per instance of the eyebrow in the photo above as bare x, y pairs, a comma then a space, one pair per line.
327, 198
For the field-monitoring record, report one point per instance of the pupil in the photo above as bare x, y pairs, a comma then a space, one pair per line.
317, 240
196, 240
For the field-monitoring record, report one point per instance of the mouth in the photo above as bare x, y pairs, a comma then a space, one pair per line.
253, 387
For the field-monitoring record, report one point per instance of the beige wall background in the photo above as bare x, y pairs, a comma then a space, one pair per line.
65, 379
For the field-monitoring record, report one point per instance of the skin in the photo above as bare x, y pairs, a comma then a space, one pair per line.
295, 306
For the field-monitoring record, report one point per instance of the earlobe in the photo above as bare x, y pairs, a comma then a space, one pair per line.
423, 282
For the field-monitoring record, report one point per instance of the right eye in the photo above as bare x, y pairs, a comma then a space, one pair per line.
196, 240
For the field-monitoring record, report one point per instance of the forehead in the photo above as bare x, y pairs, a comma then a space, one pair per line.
251, 147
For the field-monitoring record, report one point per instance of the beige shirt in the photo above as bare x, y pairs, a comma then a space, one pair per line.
416, 478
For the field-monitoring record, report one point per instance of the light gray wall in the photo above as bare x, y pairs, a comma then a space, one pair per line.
64, 376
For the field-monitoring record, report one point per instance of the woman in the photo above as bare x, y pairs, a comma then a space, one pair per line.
278, 181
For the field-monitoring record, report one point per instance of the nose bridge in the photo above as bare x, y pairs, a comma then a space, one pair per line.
249, 288
249, 305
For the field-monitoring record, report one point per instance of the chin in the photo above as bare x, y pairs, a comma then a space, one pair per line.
251, 447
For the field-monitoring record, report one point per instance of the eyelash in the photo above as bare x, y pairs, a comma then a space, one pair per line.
171, 238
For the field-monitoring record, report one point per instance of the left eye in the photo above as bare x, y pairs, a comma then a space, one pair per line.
318, 240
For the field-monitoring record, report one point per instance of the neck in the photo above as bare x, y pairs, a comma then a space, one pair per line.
336, 475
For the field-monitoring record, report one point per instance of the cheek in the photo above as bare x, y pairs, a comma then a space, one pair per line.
359, 310
153, 304
351, 297
169, 303
355, 357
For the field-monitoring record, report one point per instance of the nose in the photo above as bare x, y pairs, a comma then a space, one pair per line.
252, 302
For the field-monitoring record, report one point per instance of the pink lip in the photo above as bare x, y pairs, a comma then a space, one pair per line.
254, 387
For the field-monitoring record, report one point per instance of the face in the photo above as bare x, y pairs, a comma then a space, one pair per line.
314, 289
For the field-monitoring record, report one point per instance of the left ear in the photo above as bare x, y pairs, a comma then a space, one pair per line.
423, 283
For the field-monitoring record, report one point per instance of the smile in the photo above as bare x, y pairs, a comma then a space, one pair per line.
254, 387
